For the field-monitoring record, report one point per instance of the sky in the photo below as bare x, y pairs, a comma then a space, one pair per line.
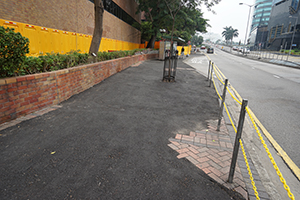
228, 13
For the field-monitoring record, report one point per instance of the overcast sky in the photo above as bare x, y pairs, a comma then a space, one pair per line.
228, 13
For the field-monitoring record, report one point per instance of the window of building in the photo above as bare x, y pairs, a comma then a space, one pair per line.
261, 9
117, 11
295, 4
264, 4
278, 2
272, 32
278, 31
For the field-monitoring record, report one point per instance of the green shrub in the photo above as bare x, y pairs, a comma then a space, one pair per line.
52, 62
56, 61
13, 48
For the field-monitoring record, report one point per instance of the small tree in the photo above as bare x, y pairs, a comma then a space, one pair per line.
13, 50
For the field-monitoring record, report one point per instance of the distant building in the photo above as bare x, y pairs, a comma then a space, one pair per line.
284, 19
258, 37
259, 32
261, 13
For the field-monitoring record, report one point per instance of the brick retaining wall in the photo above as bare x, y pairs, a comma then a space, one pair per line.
26, 94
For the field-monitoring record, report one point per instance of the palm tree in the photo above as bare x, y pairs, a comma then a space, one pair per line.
229, 33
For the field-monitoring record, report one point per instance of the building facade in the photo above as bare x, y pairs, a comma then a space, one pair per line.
77, 16
258, 37
284, 25
261, 13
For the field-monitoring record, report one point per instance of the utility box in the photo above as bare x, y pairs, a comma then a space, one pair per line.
164, 46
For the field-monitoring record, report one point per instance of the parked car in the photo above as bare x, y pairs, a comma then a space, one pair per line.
241, 49
247, 50
210, 50
203, 47
234, 48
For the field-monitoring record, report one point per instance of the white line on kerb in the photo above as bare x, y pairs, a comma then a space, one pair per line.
276, 76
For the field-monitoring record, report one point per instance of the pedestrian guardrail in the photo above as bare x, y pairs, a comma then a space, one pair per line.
215, 72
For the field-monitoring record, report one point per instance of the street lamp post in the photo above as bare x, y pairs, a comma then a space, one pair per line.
250, 6
295, 26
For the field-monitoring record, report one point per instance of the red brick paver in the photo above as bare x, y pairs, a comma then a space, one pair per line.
210, 151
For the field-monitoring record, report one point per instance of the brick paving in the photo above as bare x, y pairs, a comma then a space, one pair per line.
29, 116
210, 151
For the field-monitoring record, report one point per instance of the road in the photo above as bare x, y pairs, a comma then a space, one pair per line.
273, 94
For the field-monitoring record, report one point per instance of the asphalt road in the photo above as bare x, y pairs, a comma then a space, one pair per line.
273, 93
111, 141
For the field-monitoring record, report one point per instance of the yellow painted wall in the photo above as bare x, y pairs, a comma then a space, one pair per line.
187, 49
47, 40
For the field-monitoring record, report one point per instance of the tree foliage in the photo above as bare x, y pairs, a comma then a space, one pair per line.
229, 33
197, 40
188, 21
186, 14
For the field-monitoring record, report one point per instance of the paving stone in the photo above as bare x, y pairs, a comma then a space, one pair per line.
178, 136
183, 155
216, 160
192, 155
204, 149
206, 170
204, 154
211, 151
203, 159
193, 134
183, 150
202, 165
242, 191
200, 135
175, 143
216, 178
215, 165
192, 149
192, 160
187, 138
173, 146
225, 170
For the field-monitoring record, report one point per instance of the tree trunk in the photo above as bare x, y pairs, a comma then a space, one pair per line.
151, 42
99, 9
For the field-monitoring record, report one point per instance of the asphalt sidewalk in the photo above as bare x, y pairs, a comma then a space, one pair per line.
130, 137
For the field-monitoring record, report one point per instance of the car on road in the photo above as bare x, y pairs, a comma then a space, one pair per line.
210, 50
234, 48
241, 49
202, 47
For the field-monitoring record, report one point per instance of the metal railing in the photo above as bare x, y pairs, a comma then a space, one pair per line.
214, 71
